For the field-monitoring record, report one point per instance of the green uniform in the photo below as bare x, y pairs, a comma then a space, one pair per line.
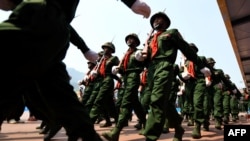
215, 90
105, 93
173, 96
90, 102
130, 99
226, 94
34, 40
160, 77
89, 86
120, 92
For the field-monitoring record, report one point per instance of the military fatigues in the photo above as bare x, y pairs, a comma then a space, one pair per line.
119, 88
173, 96
226, 101
215, 90
160, 77
36, 36
130, 70
105, 94
189, 97
130, 100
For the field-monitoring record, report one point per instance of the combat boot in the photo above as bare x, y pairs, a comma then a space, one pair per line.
218, 124
196, 134
234, 118
190, 122
206, 126
226, 119
113, 135
138, 126
179, 131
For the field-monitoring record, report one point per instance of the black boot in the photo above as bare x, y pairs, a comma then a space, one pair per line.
45, 130
52, 132
138, 126
179, 131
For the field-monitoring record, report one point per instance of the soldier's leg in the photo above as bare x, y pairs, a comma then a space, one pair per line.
218, 107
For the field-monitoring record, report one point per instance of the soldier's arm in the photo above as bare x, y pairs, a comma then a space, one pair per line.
76, 40
184, 47
68, 7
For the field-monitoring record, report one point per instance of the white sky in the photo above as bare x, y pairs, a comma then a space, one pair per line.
200, 22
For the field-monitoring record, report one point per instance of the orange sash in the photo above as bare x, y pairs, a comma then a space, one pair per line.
154, 44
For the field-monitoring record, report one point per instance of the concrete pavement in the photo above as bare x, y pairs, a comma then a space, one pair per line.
27, 132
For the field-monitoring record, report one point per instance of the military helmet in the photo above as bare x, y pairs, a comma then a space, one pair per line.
109, 45
133, 35
227, 76
100, 53
194, 47
160, 14
210, 60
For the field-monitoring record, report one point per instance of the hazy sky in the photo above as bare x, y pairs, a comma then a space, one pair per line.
200, 22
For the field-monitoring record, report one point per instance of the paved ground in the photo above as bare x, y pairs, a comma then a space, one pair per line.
27, 132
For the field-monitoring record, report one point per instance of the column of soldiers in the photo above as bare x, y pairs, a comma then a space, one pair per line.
158, 56
208, 91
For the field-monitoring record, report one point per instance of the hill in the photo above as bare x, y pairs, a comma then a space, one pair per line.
75, 77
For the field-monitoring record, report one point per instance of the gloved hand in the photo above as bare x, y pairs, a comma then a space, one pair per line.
93, 73
86, 78
140, 7
138, 55
91, 55
115, 70
79, 82
185, 75
206, 71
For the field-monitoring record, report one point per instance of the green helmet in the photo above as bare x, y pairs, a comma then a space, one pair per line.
133, 35
109, 45
210, 60
193, 46
100, 53
160, 14
227, 76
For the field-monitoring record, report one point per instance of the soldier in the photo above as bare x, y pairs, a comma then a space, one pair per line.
105, 94
143, 95
215, 90
88, 82
37, 34
161, 53
130, 68
173, 95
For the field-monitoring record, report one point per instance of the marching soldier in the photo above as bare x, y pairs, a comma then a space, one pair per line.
130, 68
88, 82
104, 97
160, 53
215, 90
